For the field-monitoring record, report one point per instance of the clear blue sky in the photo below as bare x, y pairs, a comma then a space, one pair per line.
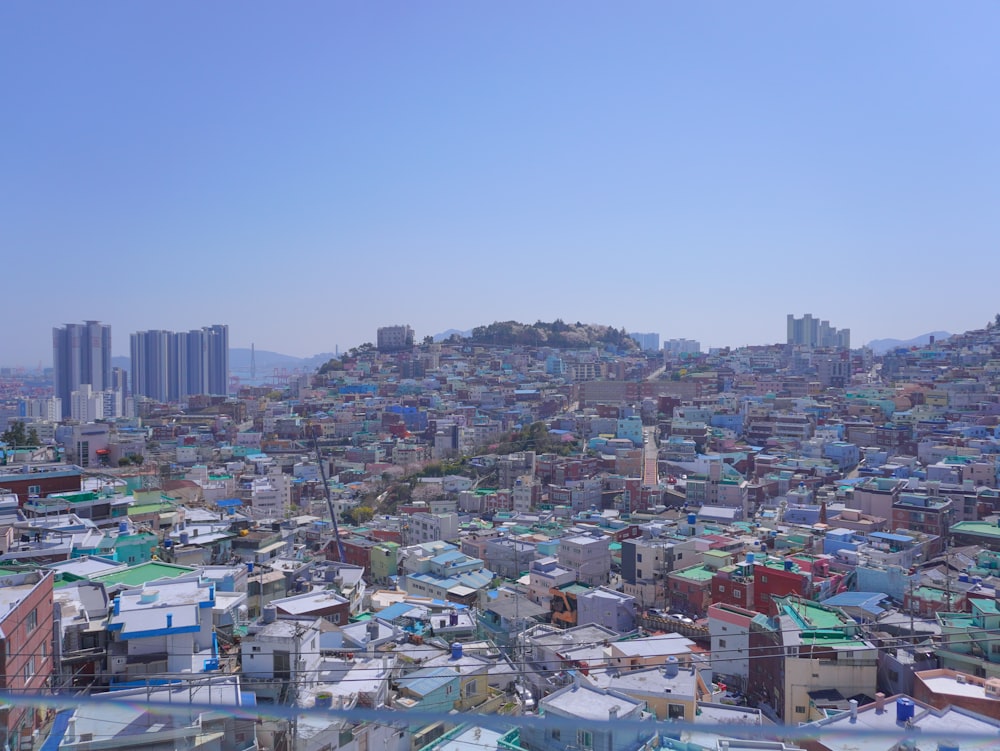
309, 172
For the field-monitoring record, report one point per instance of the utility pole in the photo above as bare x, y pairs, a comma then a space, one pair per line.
326, 492
947, 571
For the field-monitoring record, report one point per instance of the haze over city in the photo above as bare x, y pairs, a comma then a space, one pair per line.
306, 177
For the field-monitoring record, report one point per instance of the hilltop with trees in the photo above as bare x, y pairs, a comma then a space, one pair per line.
555, 334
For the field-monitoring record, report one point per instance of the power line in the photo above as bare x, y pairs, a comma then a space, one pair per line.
774, 651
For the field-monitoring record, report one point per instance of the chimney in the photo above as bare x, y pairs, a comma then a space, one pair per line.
613, 713
854, 710
879, 703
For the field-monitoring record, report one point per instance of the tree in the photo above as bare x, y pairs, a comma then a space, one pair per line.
17, 434
331, 365
362, 514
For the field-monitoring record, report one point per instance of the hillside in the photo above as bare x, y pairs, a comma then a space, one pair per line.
556, 334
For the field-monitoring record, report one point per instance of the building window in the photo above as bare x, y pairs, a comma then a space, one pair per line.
34, 490
585, 739
336, 617
800, 709
32, 620
737, 593
722, 588
470, 688
638, 557
29, 669
556, 734
722, 643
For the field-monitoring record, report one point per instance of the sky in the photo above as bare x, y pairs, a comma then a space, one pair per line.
307, 173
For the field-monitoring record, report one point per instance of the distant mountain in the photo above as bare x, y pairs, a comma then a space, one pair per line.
450, 333
265, 361
881, 346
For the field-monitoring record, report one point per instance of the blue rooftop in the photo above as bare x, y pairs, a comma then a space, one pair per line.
891, 537
867, 601
451, 555
427, 680
391, 613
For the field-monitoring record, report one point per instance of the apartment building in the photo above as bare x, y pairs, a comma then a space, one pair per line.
589, 557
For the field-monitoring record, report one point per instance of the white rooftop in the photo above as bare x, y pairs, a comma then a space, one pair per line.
589, 703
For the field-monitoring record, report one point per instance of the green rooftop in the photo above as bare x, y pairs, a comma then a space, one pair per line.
976, 528
986, 607
144, 573
699, 573
151, 508
716, 554
810, 615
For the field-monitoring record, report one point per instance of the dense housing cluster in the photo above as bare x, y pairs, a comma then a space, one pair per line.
760, 538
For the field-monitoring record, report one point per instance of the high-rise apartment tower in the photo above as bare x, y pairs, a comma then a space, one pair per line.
81, 353
168, 366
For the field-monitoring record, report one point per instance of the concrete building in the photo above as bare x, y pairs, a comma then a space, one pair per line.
949, 688
607, 608
164, 627
394, 338
545, 574
424, 527
729, 630
678, 347
589, 557
812, 332
592, 711
647, 342
646, 562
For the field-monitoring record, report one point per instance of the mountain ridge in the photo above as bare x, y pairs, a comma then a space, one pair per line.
881, 346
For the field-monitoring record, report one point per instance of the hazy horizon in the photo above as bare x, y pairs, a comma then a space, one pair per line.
306, 176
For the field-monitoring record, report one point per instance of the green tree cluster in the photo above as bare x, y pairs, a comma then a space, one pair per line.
18, 434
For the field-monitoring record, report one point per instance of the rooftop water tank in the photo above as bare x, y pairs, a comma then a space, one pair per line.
904, 709
324, 700
671, 667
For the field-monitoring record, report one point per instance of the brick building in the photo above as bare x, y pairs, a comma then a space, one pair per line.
26, 651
